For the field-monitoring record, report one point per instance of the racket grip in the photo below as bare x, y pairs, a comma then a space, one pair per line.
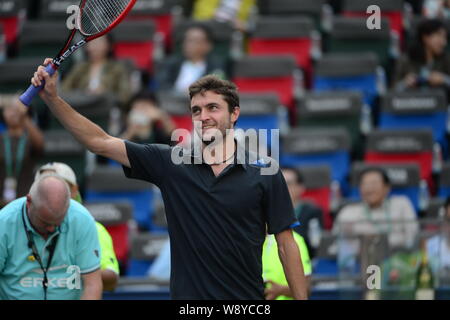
32, 91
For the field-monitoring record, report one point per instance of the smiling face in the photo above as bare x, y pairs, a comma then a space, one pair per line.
373, 189
212, 112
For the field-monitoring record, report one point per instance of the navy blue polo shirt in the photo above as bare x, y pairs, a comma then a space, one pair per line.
217, 225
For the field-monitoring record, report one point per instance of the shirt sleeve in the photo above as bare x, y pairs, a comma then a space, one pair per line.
148, 161
278, 205
88, 248
108, 256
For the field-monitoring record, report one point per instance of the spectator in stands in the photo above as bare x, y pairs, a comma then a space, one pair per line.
238, 12
307, 213
438, 246
20, 147
101, 73
108, 264
179, 72
378, 213
146, 121
273, 273
427, 64
48, 221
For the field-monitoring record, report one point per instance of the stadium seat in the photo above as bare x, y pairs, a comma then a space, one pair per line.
435, 208
115, 217
351, 35
260, 111
178, 108
317, 180
314, 9
391, 9
145, 247
15, 74
55, 9
42, 39
163, 13
108, 183
95, 108
319, 146
416, 109
351, 71
404, 178
60, 146
325, 262
402, 146
444, 181
12, 15
285, 35
134, 40
222, 33
332, 109
262, 74
3, 50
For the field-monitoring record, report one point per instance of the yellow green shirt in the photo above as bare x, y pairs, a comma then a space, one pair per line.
108, 257
272, 267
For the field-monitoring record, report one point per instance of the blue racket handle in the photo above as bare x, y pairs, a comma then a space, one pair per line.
32, 91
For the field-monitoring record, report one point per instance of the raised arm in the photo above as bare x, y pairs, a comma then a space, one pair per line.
85, 131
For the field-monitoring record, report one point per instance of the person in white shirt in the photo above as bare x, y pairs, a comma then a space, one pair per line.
377, 214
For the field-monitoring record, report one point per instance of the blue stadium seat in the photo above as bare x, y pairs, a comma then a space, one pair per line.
260, 111
145, 247
326, 146
417, 109
444, 181
108, 183
353, 72
405, 179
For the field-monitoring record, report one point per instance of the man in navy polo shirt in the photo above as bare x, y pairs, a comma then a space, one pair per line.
218, 202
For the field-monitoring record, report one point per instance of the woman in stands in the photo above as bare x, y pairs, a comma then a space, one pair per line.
427, 64
100, 73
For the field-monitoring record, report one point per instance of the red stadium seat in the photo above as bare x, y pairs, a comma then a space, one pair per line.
134, 40
293, 36
12, 14
402, 146
263, 74
178, 108
160, 12
116, 218
390, 9
317, 180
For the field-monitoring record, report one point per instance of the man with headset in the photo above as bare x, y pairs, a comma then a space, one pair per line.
49, 246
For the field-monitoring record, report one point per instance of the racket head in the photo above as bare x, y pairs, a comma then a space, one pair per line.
98, 17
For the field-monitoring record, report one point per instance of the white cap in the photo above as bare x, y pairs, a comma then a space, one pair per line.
60, 169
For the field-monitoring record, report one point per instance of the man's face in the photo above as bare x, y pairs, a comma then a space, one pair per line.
195, 44
436, 41
43, 220
211, 111
295, 188
373, 189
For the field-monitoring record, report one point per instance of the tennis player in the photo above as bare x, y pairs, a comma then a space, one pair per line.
218, 205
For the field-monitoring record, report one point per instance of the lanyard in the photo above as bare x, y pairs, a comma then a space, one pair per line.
32, 246
387, 217
19, 155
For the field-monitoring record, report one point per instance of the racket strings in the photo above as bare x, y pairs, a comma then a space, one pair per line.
98, 15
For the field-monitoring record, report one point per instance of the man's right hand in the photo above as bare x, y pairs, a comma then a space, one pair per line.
49, 92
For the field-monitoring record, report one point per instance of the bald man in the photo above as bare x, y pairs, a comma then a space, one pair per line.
49, 247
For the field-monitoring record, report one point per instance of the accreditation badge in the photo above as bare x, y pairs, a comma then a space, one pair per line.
9, 189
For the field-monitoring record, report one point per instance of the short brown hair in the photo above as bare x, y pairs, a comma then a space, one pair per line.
227, 89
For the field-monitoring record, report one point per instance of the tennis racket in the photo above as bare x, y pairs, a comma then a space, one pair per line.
95, 18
